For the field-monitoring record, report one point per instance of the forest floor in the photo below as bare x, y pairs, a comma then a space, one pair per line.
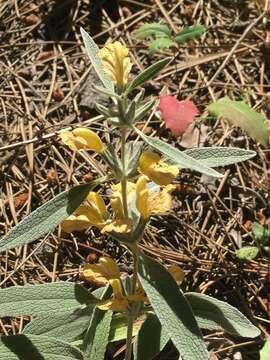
46, 84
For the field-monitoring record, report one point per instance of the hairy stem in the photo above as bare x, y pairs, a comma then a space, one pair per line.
124, 178
131, 315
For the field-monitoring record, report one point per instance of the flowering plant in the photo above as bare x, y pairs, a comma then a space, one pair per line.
148, 306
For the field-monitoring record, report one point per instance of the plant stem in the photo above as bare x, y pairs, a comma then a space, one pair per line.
131, 314
124, 178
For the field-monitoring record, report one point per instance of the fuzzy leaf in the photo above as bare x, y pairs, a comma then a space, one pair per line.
147, 74
176, 156
26, 347
45, 218
159, 44
92, 51
152, 29
66, 326
38, 299
97, 335
177, 114
219, 156
189, 33
247, 253
172, 309
239, 114
150, 340
214, 314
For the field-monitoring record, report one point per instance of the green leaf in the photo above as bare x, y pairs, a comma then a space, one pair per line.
152, 29
22, 347
261, 233
150, 340
37, 299
92, 51
265, 351
177, 156
66, 326
189, 33
97, 335
238, 113
171, 308
147, 74
159, 44
45, 218
142, 111
219, 156
247, 253
118, 330
213, 314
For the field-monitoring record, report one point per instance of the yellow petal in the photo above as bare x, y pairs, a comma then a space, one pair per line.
114, 305
116, 62
120, 302
147, 159
103, 272
156, 170
117, 288
116, 189
121, 226
177, 273
93, 214
75, 223
97, 202
117, 207
161, 203
142, 197
82, 138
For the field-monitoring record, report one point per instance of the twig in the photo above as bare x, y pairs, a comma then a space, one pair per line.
238, 42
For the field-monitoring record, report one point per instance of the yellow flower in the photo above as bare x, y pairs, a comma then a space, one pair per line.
86, 216
101, 273
79, 221
116, 62
107, 272
120, 223
156, 170
82, 138
152, 201
96, 214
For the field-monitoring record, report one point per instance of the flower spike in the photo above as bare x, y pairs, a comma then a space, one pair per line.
116, 62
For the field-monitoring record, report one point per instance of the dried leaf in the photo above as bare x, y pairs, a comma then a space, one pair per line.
20, 200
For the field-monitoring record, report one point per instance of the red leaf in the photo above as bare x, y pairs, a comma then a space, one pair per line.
177, 114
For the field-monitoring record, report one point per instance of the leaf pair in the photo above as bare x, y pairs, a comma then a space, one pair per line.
162, 38
175, 315
201, 159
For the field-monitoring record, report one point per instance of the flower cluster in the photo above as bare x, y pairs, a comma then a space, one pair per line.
149, 195
106, 272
